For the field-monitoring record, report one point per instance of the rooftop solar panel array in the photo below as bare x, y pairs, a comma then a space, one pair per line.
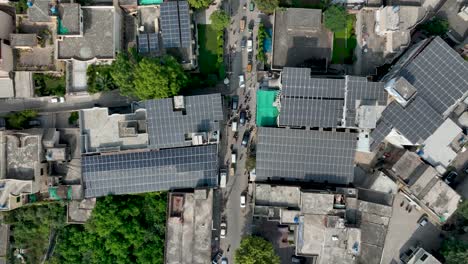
139, 172
143, 43
153, 42
167, 128
299, 112
305, 155
379, 133
439, 74
175, 24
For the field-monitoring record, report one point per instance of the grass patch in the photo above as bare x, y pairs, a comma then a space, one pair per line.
315, 4
344, 43
48, 85
208, 49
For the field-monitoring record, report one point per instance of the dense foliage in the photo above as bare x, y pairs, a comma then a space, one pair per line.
20, 120
255, 250
48, 85
148, 78
335, 18
436, 26
463, 209
122, 229
99, 78
21, 6
262, 34
267, 6
219, 20
73, 118
200, 3
455, 251
31, 227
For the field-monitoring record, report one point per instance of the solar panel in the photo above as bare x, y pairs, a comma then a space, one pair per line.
305, 155
299, 112
153, 42
184, 21
170, 26
149, 171
380, 132
143, 43
168, 128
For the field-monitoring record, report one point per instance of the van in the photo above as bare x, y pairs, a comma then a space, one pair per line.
234, 126
222, 179
233, 157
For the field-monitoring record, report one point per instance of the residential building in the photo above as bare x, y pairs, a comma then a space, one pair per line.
79, 211
301, 40
189, 227
339, 225
6, 55
420, 256
422, 184
427, 83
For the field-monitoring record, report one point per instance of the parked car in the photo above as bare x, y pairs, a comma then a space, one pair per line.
251, 6
233, 157
250, 56
234, 126
222, 178
249, 45
224, 260
242, 117
450, 179
223, 230
241, 81
235, 102
243, 43
245, 138
423, 220
242, 200
57, 100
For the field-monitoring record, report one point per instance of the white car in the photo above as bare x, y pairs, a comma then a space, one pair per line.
242, 201
249, 45
57, 100
224, 261
241, 81
223, 230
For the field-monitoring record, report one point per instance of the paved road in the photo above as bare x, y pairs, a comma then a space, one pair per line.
43, 104
238, 219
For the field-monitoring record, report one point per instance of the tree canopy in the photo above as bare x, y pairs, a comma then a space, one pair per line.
200, 3
255, 250
267, 6
19, 120
335, 18
219, 20
148, 78
99, 78
122, 229
436, 26
455, 251
463, 209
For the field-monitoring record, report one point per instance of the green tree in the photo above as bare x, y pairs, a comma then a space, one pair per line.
200, 3
219, 20
122, 71
19, 120
335, 18
436, 26
463, 209
100, 78
255, 250
73, 118
267, 6
122, 229
454, 251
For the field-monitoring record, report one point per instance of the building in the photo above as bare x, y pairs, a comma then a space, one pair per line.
319, 102
340, 225
79, 211
6, 55
184, 121
189, 227
423, 184
301, 40
427, 83
167, 28
419, 256
305, 155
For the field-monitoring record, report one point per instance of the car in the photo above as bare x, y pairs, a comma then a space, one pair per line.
234, 126
250, 56
423, 220
241, 81
223, 230
242, 200
242, 117
224, 260
251, 6
222, 178
450, 179
233, 157
243, 43
245, 139
57, 100
235, 102
249, 45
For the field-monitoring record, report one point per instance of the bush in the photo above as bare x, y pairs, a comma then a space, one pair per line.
74, 116
49, 85
254, 249
335, 18
19, 120
100, 78
267, 6
436, 26
262, 34
219, 20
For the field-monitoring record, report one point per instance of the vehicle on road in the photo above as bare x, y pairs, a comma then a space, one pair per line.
242, 200
423, 220
57, 100
251, 6
241, 81
234, 125
233, 157
243, 43
249, 45
222, 178
251, 26
245, 139
223, 230
235, 102
250, 57
450, 179
242, 117
249, 67
224, 260
242, 24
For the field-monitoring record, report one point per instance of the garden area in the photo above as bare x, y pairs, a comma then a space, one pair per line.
208, 57
344, 43
49, 85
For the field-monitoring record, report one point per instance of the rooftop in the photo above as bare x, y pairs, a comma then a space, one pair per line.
40, 11
305, 155
101, 131
188, 237
175, 24
149, 171
23, 40
171, 126
70, 19
299, 39
13, 187
282, 196
78, 212
98, 36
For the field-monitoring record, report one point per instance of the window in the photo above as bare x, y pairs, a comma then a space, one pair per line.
18, 199
423, 257
42, 171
